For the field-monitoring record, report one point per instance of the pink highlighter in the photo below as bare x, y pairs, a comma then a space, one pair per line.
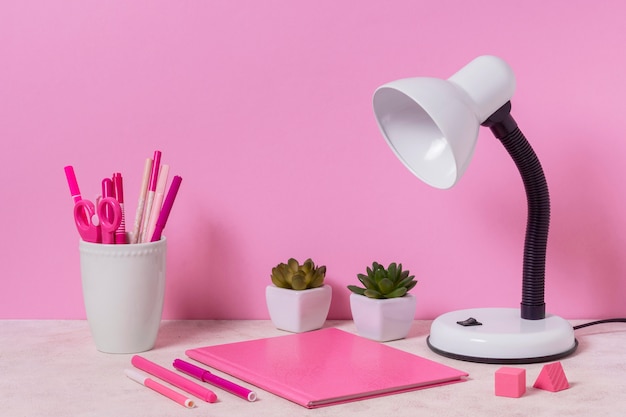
71, 181
74, 190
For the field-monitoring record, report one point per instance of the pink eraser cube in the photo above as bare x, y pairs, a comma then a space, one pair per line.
510, 382
552, 378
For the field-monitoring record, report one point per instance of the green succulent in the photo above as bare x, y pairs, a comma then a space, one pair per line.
381, 282
294, 276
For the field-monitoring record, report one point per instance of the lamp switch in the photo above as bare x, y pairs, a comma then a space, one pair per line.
469, 322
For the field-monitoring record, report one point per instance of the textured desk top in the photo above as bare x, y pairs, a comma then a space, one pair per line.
51, 368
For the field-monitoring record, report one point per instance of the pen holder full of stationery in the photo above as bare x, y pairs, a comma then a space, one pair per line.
123, 290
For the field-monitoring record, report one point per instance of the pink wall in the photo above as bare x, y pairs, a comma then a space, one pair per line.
264, 108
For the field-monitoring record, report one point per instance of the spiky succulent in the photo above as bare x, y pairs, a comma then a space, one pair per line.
381, 282
294, 276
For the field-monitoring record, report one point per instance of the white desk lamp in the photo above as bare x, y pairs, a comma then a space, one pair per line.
432, 126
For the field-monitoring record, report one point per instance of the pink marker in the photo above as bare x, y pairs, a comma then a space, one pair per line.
71, 181
173, 378
74, 190
160, 388
206, 376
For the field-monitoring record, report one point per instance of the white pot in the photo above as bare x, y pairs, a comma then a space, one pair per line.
298, 311
383, 319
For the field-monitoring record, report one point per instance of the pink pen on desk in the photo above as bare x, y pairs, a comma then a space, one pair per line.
206, 376
167, 208
166, 375
154, 177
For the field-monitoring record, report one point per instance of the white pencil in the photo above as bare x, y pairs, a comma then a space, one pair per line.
154, 177
160, 388
142, 201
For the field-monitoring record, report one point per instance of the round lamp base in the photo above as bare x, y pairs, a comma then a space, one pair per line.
501, 336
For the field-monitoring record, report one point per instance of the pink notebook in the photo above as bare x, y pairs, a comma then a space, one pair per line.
325, 367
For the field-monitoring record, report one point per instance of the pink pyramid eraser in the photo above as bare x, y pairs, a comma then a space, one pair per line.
552, 378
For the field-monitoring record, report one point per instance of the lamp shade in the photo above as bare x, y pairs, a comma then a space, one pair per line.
432, 124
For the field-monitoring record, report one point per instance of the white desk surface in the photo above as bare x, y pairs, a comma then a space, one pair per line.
51, 368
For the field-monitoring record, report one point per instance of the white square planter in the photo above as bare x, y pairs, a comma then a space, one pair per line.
383, 319
298, 311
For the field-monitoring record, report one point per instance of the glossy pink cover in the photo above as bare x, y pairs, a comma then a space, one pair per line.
325, 367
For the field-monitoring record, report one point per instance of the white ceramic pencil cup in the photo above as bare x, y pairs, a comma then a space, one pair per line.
123, 290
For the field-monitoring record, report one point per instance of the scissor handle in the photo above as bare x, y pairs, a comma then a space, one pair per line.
110, 214
84, 211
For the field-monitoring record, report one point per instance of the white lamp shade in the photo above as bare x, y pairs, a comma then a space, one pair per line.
432, 124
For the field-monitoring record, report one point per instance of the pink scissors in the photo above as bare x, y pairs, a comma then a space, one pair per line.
98, 224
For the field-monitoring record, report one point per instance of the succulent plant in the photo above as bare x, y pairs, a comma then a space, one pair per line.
381, 282
294, 276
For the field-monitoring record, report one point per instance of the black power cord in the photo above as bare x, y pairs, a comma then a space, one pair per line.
593, 323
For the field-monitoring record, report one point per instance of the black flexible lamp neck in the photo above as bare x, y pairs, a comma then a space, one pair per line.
505, 129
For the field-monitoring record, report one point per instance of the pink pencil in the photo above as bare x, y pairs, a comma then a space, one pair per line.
158, 199
160, 388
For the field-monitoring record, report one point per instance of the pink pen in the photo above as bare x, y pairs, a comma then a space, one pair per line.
206, 376
167, 208
173, 378
120, 233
